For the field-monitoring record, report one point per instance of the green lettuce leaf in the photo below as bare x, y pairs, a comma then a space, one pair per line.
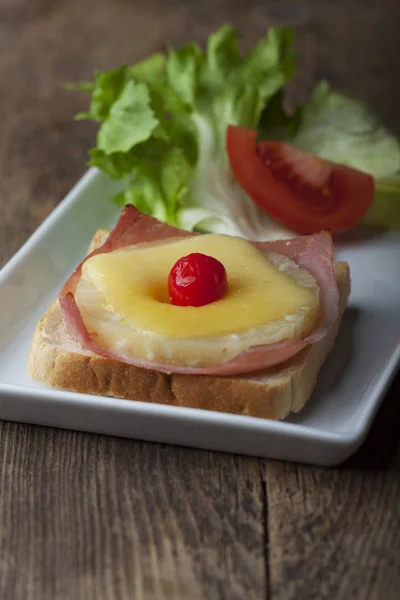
105, 90
130, 120
385, 210
163, 122
344, 130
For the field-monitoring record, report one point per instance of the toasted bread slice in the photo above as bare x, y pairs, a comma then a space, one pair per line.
57, 360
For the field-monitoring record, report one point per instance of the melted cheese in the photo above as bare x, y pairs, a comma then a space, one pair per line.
123, 298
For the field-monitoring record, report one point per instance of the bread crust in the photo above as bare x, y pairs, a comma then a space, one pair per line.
59, 361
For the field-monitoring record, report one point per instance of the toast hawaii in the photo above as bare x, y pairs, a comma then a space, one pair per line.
256, 350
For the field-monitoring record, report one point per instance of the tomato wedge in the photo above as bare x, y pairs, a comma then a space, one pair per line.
302, 191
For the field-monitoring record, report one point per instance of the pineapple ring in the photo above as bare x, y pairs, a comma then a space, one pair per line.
124, 303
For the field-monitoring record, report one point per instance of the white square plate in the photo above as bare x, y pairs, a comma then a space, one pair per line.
335, 421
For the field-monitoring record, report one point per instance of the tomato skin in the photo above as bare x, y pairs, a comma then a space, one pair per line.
197, 280
341, 198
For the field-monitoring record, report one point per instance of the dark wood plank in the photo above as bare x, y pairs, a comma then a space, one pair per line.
86, 516
335, 533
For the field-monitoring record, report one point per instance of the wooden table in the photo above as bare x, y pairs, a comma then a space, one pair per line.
85, 516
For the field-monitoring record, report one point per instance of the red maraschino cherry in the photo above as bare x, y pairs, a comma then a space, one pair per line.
196, 280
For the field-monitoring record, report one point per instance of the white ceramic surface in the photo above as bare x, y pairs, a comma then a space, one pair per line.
334, 423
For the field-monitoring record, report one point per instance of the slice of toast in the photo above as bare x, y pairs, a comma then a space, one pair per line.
57, 360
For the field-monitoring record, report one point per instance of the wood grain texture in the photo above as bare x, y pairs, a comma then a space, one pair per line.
86, 516
335, 533
89, 517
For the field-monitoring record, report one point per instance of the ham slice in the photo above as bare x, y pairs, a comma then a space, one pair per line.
313, 253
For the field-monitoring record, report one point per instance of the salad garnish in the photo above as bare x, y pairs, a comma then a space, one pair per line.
163, 123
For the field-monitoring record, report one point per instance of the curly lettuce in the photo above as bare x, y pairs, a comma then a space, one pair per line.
162, 128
